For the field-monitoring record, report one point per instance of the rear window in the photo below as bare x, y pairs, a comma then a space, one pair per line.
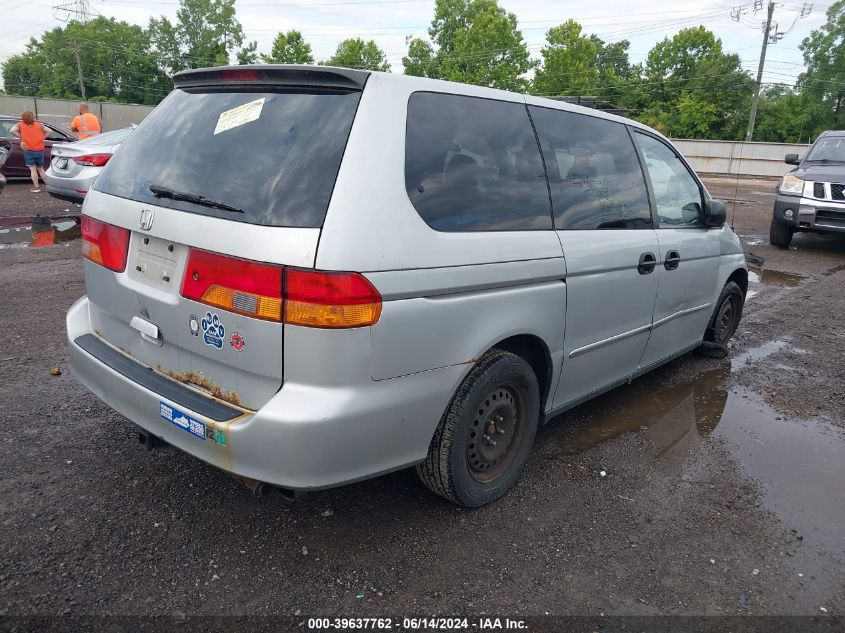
473, 165
272, 155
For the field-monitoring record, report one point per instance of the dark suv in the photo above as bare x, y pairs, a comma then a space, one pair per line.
811, 197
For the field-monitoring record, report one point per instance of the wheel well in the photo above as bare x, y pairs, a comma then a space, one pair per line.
740, 277
533, 351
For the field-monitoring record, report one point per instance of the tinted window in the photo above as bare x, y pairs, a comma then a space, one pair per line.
54, 135
276, 158
473, 165
676, 193
594, 173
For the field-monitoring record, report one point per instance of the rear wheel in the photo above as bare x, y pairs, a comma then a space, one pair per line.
726, 316
486, 433
780, 234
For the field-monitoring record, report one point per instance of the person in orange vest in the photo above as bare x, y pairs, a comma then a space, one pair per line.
32, 135
86, 124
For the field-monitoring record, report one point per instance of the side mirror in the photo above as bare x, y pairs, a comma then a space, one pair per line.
714, 213
792, 159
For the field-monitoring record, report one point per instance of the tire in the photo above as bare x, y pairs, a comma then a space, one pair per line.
780, 234
726, 315
462, 464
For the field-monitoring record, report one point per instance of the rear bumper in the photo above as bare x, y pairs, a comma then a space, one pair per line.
809, 214
68, 188
306, 437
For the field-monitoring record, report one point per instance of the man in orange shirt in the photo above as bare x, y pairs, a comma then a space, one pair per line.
32, 135
86, 124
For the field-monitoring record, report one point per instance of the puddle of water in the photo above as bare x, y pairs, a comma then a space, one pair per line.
798, 463
766, 277
23, 236
763, 351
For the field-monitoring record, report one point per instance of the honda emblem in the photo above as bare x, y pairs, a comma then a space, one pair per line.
146, 219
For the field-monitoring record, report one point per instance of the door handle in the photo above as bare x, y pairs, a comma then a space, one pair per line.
647, 263
673, 258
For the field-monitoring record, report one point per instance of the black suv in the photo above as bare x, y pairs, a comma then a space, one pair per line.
811, 197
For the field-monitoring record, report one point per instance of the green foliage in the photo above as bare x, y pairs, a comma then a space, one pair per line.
689, 87
824, 55
475, 42
117, 60
577, 64
356, 53
206, 33
248, 54
289, 48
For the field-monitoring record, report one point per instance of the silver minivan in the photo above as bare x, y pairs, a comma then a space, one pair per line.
308, 276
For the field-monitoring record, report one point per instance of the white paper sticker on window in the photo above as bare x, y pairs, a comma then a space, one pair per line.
240, 115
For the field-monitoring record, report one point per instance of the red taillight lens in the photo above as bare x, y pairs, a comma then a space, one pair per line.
330, 300
105, 244
234, 284
240, 75
92, 160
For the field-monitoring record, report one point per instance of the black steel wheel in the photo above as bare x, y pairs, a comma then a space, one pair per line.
486, 433
726, 316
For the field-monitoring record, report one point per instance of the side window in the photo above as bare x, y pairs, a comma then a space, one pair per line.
473, 165
677, 195
594, 173
6, 128
53, 135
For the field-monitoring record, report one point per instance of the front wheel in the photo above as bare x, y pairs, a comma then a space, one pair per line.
780, 234
726, 316
486, 433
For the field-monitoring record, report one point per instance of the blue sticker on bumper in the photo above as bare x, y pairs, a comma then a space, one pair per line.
183, 421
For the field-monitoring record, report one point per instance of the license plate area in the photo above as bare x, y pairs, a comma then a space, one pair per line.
61, 163
156, 262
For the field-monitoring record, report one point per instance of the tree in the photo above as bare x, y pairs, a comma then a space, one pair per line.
356, 53
248, 54
206, 33
473, 41
682, 78
116, 59
824, 55
289, 48
577, 64
788, 116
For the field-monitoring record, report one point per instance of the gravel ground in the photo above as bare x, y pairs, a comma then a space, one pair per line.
722, 491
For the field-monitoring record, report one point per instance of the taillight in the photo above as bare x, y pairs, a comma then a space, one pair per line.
105, 244
234, 284
330, 300
92, 160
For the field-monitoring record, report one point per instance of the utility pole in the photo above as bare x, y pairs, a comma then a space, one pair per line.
79, 73
766, 36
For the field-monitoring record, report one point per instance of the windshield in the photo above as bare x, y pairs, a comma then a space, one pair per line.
273, 155
829, 149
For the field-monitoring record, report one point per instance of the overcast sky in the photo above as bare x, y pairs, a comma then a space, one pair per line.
324, 23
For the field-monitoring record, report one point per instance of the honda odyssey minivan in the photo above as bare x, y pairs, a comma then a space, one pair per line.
308, 276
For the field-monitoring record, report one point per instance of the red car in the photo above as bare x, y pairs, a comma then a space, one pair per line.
14, 167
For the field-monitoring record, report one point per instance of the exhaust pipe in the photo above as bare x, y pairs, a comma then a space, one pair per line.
262, 489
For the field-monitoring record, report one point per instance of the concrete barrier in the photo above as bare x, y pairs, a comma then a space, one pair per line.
737, 158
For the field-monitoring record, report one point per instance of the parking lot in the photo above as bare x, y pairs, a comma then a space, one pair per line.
706, 487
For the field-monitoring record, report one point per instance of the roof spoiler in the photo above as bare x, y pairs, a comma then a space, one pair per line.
273, 75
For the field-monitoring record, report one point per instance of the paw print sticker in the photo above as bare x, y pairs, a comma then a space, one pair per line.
213, 330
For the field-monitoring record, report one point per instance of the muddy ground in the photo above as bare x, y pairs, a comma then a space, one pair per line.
723, 491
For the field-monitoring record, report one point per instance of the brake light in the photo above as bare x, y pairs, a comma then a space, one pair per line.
105, 244
92, 160
236, 285
330, 300
240, 75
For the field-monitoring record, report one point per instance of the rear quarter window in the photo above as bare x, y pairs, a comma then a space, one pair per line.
473, 164
277, 162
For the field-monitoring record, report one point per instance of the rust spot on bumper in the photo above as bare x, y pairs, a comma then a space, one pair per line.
198, 380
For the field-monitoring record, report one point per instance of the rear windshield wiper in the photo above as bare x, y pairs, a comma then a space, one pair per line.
164, 192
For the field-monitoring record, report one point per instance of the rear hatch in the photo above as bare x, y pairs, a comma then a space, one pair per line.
69, 159
225, 183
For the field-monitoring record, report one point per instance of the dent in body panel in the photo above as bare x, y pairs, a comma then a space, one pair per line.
426, 333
